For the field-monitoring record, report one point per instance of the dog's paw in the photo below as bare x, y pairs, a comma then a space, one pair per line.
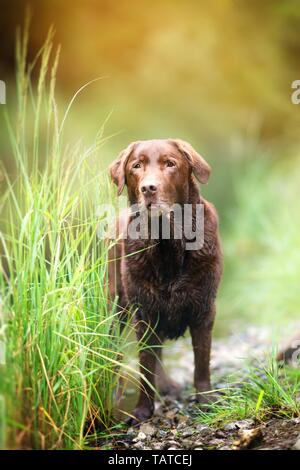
138, 416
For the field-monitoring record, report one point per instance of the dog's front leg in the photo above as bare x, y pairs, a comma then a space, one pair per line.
148, 362
201, 340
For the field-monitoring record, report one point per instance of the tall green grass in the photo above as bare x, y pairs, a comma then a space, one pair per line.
63, 344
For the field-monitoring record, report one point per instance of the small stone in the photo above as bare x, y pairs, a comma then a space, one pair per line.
187, 443
181, 426
131, 431
158, 446
171, 414
297, 444
242, 424
187, 432
198, 448
230, 427
159, 411
216, 442
165, 423
139, 445
171, 443
182, 421
245, 423
168, 401
141, 436
147, 429
220, 434
197, 444
203, 430
162, 433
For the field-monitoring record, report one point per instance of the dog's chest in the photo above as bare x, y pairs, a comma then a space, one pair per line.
161, 264
161, 284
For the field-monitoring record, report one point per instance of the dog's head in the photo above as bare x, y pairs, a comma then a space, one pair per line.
158, 172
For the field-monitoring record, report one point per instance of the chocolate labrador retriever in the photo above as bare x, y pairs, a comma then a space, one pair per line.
171, 285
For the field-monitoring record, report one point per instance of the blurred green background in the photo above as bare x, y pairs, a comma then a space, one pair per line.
217, 74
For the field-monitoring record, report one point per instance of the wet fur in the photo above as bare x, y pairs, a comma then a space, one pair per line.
171, 288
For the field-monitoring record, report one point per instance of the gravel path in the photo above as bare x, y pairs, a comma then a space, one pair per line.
174, 426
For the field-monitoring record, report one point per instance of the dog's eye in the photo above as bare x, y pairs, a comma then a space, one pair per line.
169, 163
136, 165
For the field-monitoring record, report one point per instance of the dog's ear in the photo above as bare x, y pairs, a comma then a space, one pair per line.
117, 167
200, 167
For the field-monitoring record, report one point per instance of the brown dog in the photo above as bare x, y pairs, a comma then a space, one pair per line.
172, 287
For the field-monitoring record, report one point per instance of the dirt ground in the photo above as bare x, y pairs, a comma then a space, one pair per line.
174, 424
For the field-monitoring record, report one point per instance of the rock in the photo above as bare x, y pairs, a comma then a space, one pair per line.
297, 444
165, 423
147, 429
220, 434
215, 442
230, 427
242, 424
171, 443
171, 414
158, 446
168, 401
140, 437
187, 443
162, 433
182, 420
197, 444
131, 431
156, 420
139, 445
187, 432
159, 411
203, 430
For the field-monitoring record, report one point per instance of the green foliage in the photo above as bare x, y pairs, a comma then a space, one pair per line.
63, 345
262, 392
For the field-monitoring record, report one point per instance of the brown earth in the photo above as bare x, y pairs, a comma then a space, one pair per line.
174, 424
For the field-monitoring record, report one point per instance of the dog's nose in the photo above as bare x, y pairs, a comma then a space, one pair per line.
148, 189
